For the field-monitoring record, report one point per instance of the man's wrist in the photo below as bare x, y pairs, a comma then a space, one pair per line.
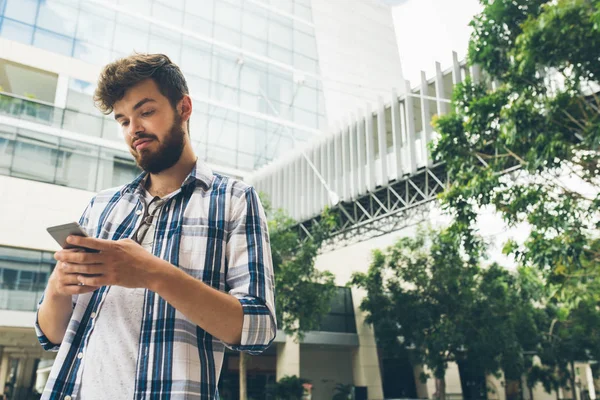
158, 274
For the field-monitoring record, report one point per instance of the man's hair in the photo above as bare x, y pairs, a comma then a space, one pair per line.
119, 76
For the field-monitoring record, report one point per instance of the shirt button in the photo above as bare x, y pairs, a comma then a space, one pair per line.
93, 315
67, 397
80, 356
138, 212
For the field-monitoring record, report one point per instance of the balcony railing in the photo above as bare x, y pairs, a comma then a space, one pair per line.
63, 118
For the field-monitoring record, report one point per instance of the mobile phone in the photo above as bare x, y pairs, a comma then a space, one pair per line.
61, 232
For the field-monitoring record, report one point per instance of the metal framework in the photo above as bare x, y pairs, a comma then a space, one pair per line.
390, 208
374, 173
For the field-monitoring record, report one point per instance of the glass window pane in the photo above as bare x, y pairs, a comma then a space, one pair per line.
281, 35
203, 9
7, 148
95, 29
227, 15
131, 35
280, 54
167, 14
305, 44
35, 156
227, 35
255, 24
178, 4
85, 124
303, 12
77, 165
138, 6
57, 18
197, 25
198, 86
90, 53
257, 46
116, 168
170, 48
16, 31
196, 59
21, 10
53, 42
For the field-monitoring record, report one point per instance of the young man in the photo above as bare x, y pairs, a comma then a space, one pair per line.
183, 264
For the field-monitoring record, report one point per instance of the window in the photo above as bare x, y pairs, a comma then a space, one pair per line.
16, 31
167, 14
131, 35
57, 18
35, 156
21, 10
53, 42
227, 15
95, 29
281, 35
78, 166
203, 9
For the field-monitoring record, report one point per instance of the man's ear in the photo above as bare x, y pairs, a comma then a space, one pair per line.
185, 108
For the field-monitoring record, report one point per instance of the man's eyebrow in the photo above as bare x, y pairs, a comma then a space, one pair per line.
138, 105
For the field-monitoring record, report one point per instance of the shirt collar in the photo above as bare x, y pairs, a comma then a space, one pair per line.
201, 174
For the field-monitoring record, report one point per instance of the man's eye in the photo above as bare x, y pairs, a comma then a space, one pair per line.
148, 113
124, 124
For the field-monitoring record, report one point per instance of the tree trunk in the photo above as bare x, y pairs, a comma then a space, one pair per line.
530, 392
243, 389
573, 388
440, 388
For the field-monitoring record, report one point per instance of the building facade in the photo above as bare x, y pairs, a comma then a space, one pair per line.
265, 77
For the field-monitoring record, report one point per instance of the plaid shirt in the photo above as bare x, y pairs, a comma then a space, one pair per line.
214, 229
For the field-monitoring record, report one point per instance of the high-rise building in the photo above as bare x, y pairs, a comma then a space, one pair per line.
265, 76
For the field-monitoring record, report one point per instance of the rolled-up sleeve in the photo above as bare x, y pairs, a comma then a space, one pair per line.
250, 273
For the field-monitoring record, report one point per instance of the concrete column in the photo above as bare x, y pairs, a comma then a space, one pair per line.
3, 370
425, 389
365, 362
288, 358
453, 379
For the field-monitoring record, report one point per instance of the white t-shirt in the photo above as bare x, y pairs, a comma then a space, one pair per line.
110, 358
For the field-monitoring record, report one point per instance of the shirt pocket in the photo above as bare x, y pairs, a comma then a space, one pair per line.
202, 253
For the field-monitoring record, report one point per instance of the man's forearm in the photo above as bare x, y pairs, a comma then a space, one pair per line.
218, 313
54, 315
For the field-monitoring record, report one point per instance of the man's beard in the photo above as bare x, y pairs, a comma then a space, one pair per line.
168, 153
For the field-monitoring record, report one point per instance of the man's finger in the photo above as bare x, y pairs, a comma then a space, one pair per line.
92, 281
90, 243
78, 289
78, 257
96, 269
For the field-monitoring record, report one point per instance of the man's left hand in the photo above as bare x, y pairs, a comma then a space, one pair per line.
122, 262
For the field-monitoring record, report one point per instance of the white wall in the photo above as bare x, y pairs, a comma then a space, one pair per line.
358, 54
27, 208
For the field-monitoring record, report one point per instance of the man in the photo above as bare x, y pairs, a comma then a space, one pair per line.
182, 266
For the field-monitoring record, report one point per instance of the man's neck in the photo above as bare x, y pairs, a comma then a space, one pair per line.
170, 180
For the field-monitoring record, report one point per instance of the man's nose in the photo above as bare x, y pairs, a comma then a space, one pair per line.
134, 128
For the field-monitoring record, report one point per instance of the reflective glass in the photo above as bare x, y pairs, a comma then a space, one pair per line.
197, 25
171, 48
280, 54
7, 145
77, 165
16, 31
35, 156
90, 53
95, 29
255, 46
255, 24
203, 8
305, 44
226, 35
75, 121
21, 10
196, 59
131, 35
53, 42
303, 12
228, 15
167, 14
280, 34
137, 6
57, 17
178, 4
198, 86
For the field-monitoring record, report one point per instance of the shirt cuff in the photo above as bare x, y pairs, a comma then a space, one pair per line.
44, 341
258, 328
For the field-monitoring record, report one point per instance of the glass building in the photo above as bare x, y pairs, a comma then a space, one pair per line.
265, 77
252, 68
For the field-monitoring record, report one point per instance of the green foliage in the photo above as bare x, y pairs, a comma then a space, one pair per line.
428, 296
531, 148
303, 293
288, 388
343, 391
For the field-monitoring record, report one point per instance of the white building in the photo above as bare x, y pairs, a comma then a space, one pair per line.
264, 78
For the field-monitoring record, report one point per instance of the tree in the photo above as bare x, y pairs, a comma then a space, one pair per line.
427, 295
531, 148
303, 293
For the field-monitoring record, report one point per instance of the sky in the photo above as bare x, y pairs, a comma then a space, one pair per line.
429, 30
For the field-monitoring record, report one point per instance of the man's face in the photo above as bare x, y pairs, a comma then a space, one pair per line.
152, 129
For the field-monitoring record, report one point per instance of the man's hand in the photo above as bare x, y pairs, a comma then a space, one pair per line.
63, 283
121, 263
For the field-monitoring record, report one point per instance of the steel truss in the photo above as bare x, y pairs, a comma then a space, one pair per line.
388, 209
